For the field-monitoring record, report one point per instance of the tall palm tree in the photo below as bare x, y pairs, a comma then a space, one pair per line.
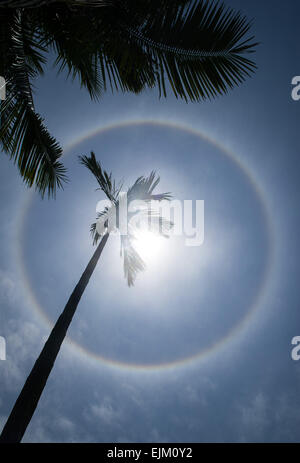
141, 190
197, 48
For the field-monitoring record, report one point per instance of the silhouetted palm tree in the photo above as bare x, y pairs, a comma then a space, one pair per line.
141, 190
197, 47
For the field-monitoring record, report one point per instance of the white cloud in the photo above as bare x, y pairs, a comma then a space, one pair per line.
106, 412
65, 424
253, 419
23, 342
8, 292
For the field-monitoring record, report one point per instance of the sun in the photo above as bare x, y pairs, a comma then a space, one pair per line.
148, 245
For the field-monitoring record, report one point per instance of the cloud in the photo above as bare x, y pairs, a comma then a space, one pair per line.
23, 342
254, 417
8, 293
106, 412
65, 425
51, 426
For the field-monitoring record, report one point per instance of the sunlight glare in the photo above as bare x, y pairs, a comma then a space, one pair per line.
148, 245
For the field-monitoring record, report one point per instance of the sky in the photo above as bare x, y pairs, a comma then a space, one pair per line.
199, 350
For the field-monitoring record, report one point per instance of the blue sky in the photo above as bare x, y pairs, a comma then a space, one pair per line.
199, 350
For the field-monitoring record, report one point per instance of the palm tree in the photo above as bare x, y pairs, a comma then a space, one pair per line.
196, 48
141, 190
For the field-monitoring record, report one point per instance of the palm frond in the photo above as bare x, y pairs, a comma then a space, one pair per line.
24, 3
34, 51
143, 188
45, 3
71, 35
196, 47
23, 134
132, 262
152, 220
103, 178
95, 235
25, 138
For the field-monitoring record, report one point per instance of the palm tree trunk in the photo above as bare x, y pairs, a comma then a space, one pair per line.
27, 401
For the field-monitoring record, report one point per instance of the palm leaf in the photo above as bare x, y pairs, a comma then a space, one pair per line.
153, 221
103, 178
22, 134
93, 229
132, 262
24, 137
86, 44
196, 48
71, 35
45, 3
143, 188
